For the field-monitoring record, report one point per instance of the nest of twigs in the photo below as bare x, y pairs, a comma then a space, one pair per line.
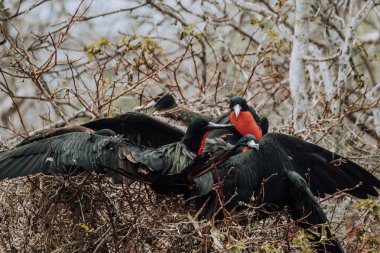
89, 213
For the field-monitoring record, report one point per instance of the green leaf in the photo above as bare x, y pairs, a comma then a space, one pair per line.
97, 47
236, 248
364, 203
190, 30
375, 210
86, 227
55, 89
256, 21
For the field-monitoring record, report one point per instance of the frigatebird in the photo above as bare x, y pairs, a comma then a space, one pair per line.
253, 123
243, 116
276, 173
105, 152
320, 167
325, 172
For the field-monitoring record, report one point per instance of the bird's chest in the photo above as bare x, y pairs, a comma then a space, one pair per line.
245, 123
269, 178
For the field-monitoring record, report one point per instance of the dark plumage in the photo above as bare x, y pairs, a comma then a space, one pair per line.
63, 154
165, 105
173, 158
275, 174
139, 128
134, 126
199, 170
314, 164
103, 153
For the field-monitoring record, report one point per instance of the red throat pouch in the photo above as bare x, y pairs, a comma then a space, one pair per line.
245, 149
203, 141
246, 124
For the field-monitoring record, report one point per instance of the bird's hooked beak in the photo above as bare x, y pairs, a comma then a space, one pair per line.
237, 109
253, 144
212, 126
145, 107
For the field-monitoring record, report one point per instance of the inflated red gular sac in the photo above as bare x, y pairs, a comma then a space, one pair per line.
245, 119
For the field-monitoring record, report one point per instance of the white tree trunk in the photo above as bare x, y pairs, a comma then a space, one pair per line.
297, 67
344, 60
374, 95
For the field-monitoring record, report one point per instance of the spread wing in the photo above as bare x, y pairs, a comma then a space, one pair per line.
326, 172
67, 153
140, 128
47, 133
243, 174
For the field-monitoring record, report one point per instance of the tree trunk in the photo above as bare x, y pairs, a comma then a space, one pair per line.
297, 67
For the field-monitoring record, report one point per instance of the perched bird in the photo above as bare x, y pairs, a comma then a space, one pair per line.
198, 172
245, 118
276, 173
105, 152
173, 158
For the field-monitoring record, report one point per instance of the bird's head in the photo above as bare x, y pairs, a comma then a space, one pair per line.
237, 105
165, 101
248, 142
197, 132
160, 103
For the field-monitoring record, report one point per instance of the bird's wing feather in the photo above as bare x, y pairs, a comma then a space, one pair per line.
140, 128
47, 133
65, 153
326, 172
167, 160
306, 210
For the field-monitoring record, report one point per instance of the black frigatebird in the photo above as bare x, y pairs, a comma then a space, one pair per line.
105, 152
269, 175
244, 118
242, 115
252, 123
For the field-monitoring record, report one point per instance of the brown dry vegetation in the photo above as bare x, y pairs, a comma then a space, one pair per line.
65, 62
88, 213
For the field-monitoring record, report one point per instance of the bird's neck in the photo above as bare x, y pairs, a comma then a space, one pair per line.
196, 143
